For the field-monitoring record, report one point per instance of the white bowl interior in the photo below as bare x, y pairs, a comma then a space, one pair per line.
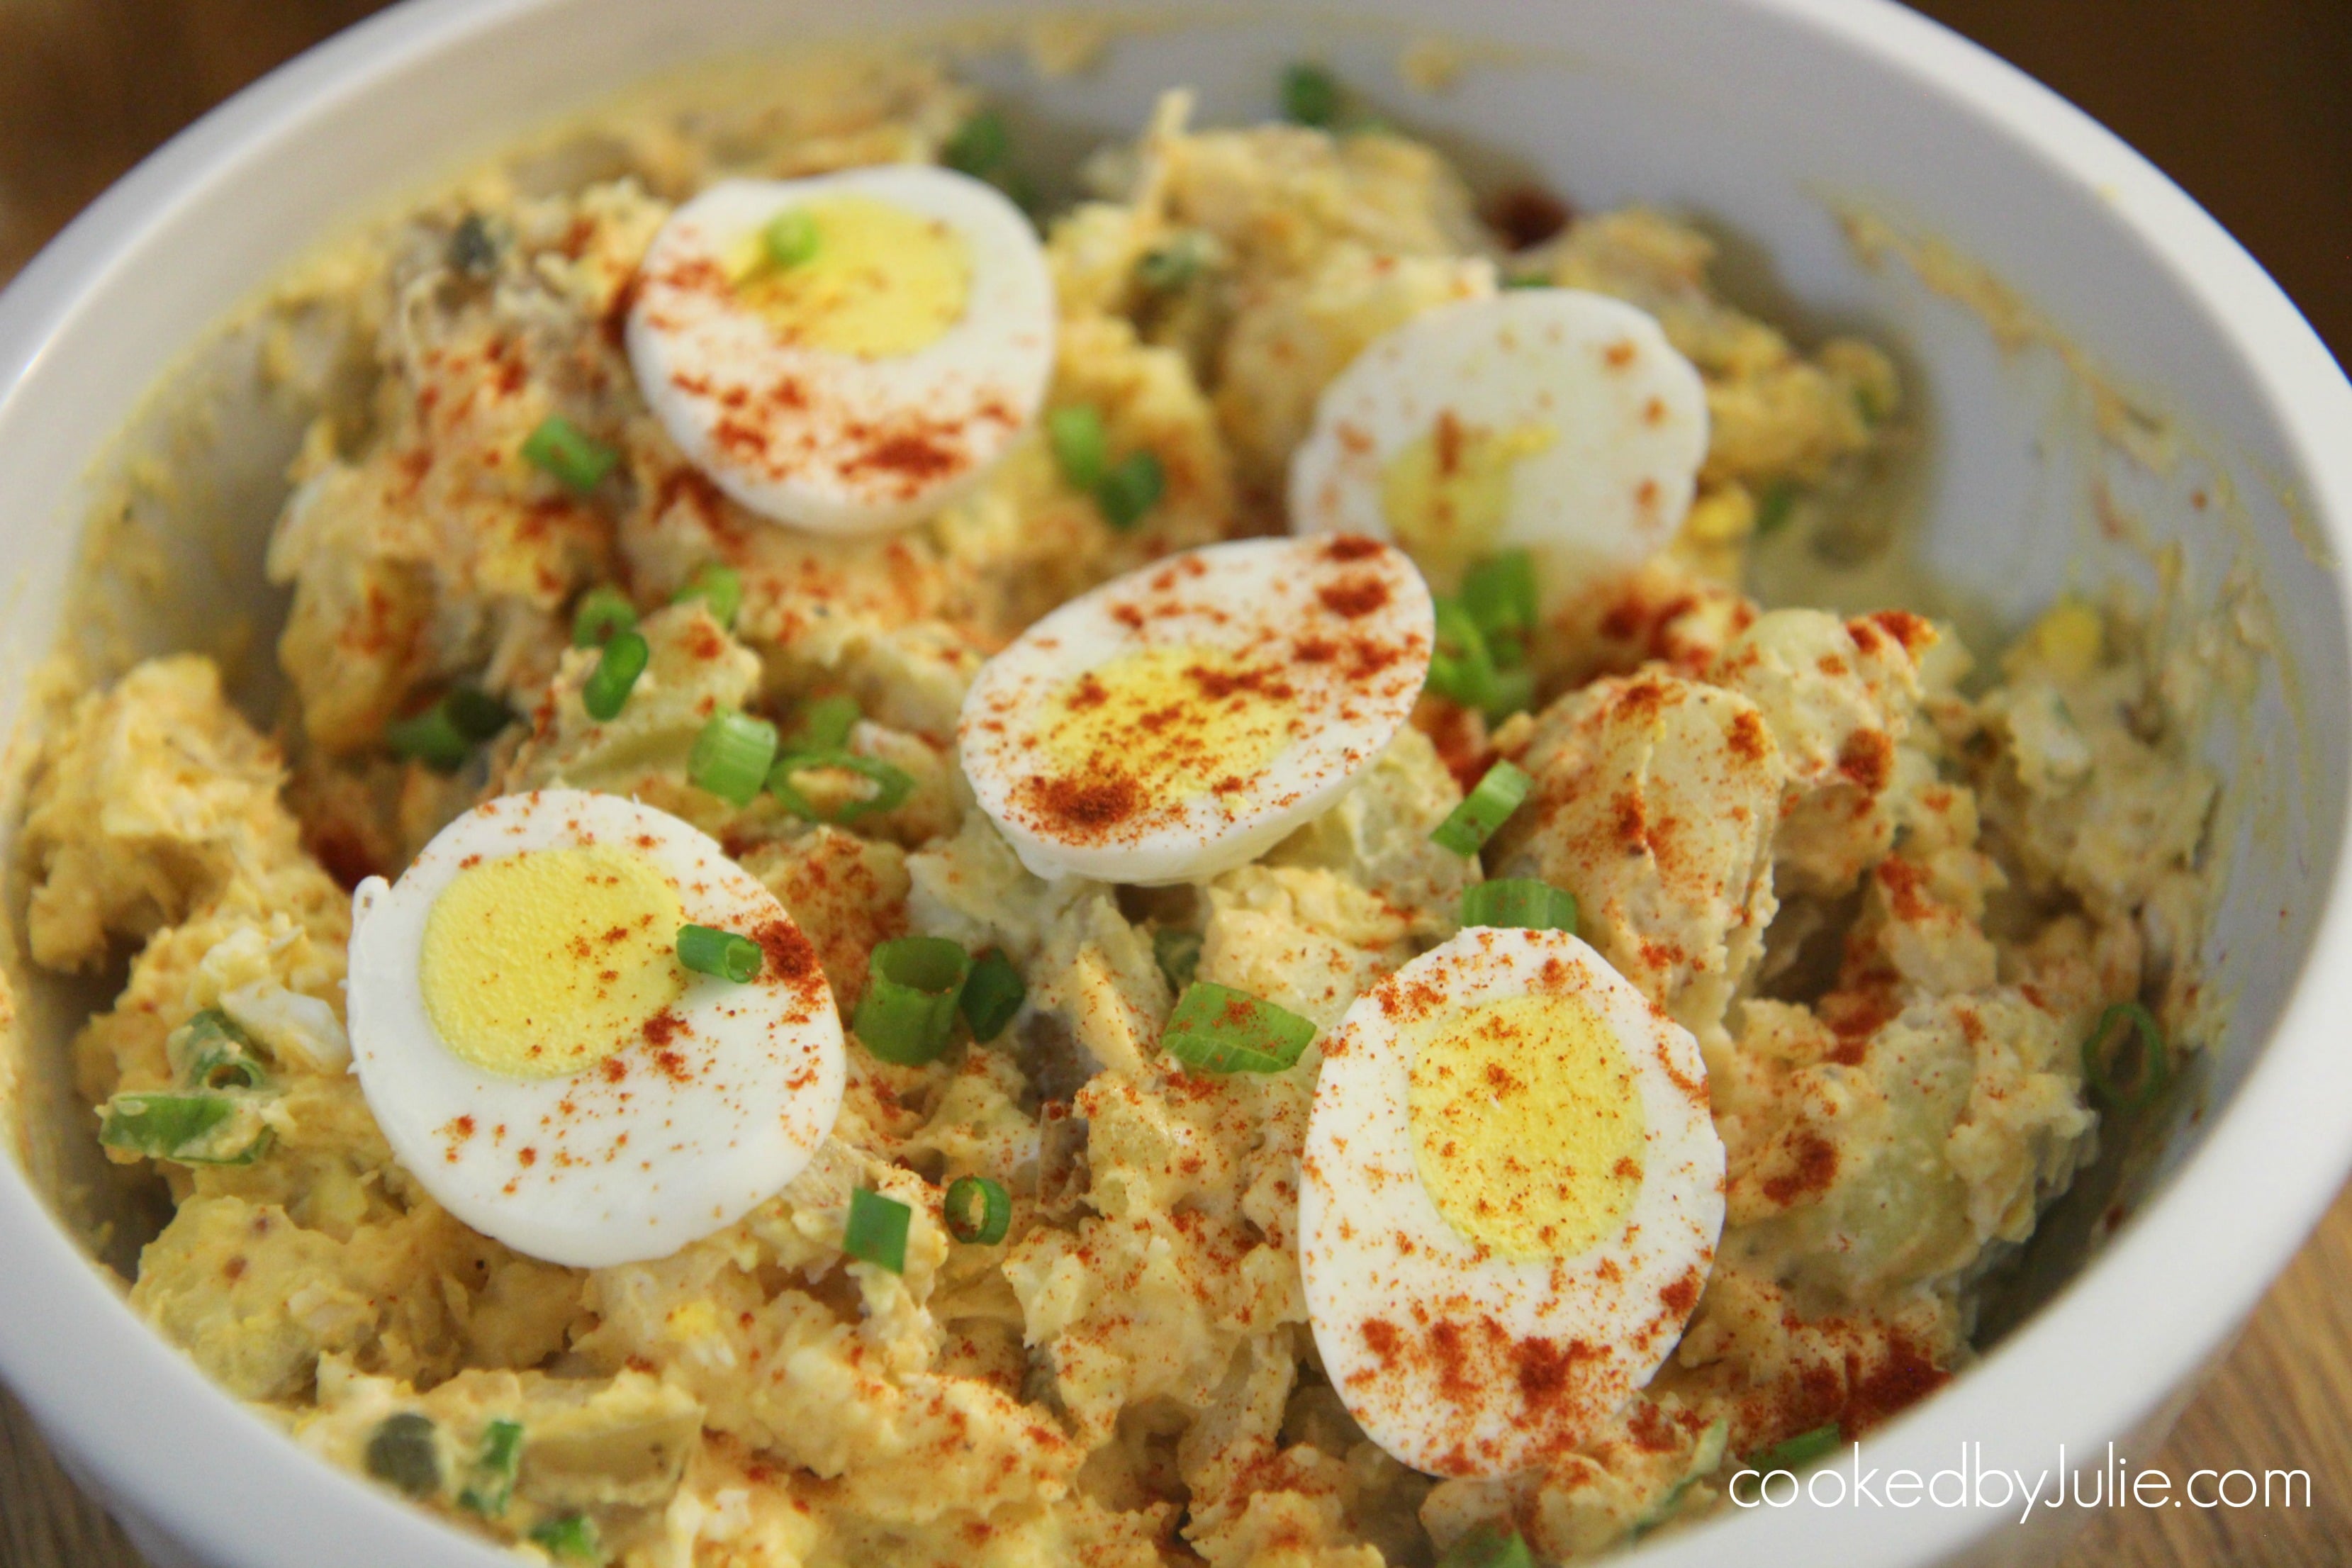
1768, 120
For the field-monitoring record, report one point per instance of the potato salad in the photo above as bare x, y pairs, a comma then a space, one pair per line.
975, 860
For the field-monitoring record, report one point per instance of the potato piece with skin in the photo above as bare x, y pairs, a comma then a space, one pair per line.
1839, 698
154, 801
1654, 803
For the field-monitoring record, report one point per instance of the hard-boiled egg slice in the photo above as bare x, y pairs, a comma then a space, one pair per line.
844, 354
1182, 720
1513, 1191
1549, 418
541, 1061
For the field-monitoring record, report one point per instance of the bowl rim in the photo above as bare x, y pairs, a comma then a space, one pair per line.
64, 1332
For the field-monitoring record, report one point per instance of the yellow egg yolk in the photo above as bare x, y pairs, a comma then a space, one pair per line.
1527, 1128
544, 964
1448, 495
882, 281
1176, 722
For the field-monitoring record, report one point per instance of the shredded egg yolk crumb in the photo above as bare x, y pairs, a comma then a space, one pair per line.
1178, 721
544, 964
883, 281
1527, 1129
1448, 495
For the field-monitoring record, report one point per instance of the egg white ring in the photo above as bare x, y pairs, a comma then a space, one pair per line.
1375, 1248
1609, 489
798, 433
1247, 596
719, 1127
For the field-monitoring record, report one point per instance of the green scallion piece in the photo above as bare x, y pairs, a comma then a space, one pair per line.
1865, 404
607, 691
211, 1052
1797, 1452
1773, 510
1461, 667
977, 1211
1129, 487
405, 1451
570, 1539
723, 954
731, 757
877, 1231
200, 1129
913, 984
1310, 96
1178, 953
979, 145
574, 457
490, 1479
1526, 280
443, 735
1216, 1028
790, 238
719, 587
1466, 829
1500, 595
1488, 1546
2150, 1068
891, 785
1518, 902
602, 611
824, 724
1081, 447
1173, 265
993, 993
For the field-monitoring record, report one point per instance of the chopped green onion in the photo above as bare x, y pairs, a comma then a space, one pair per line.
1310, 96
203, 1129
719, 587
877, 1231
1461, 667
1527, 281
573, 456
1514, 690
1488, 1546
993, 992
1500, 595
573, 1537
706, 949
445, 734
824, 724
1772, 512
405, 1451
607, 691
979, 145
2151, 1067
1178, 953
789, 239
602, 611
211, 1052
731, 756
892, 785
472, 251
1218, 1029
1080, 446
977, 1211
1172, 266
491, 1481
1466, 829
913, 986
1798, 1451
1519, 902
1865, 403
1129, 487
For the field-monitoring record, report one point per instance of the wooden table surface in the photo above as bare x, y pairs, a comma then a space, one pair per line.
2243, 100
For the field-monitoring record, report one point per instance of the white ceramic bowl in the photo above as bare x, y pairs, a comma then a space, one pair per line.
1765, 116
